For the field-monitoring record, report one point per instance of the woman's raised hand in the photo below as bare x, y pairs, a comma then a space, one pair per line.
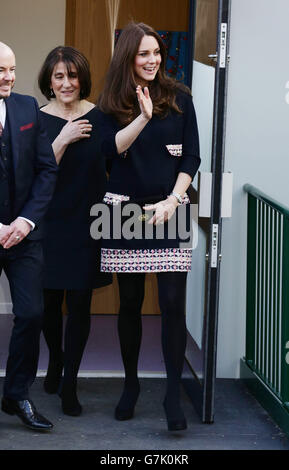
145, 102
75, 130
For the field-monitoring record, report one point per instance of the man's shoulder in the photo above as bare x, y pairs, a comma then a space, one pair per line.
22, 99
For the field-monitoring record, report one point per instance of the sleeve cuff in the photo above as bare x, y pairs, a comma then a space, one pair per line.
109, 147
190, 166
29, 221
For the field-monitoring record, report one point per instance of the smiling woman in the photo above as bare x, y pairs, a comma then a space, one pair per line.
64, 83
147, 61
149, 132
72, 258
74, 65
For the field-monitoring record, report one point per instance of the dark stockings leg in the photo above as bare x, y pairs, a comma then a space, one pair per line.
131, 291
172, 295
76, 335
52, 330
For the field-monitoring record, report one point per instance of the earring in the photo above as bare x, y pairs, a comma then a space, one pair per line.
52, 93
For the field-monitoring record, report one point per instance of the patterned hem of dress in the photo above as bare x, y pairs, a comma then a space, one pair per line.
146, 260
114, 199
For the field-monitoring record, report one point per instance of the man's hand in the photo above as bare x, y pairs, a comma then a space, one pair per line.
5, 232
19, 229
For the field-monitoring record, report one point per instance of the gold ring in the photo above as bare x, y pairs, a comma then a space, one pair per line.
143, 217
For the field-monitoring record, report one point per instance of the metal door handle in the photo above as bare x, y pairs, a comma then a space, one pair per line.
213, 57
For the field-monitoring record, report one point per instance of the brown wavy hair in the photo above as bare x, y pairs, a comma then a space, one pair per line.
119, 93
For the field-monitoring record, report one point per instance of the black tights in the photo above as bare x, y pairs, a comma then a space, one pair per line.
172, 295
76, 331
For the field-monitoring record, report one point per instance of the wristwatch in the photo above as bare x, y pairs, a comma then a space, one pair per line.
177, 196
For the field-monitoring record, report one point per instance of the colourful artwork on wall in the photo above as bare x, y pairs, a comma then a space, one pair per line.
177, 48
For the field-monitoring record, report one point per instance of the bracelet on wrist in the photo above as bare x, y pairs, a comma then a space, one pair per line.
177, 196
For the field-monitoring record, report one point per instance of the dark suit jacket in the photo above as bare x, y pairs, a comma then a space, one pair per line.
35, 168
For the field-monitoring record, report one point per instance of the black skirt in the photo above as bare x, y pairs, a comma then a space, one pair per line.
133, 245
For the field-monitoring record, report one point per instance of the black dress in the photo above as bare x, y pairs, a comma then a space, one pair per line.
72, 257
149, 170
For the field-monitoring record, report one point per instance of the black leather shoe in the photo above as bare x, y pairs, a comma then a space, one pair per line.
27, 412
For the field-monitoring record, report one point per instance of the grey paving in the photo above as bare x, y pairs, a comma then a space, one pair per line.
240, 422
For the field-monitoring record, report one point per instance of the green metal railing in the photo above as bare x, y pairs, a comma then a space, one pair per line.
267, 326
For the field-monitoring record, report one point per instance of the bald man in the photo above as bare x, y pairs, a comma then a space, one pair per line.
27, 177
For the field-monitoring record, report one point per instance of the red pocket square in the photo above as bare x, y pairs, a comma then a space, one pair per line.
27, 126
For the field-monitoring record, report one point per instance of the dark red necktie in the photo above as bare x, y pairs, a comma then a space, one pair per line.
1, 129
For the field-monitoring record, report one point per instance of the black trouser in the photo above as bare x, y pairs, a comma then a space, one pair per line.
172, 297
23, 266
76, 331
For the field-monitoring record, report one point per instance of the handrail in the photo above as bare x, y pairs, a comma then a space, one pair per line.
267, 304
267, 199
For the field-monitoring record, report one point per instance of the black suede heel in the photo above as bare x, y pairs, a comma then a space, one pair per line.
71, 406
69, 401
176, 421
127, 402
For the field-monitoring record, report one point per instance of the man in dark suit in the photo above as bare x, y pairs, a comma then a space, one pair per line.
27, 177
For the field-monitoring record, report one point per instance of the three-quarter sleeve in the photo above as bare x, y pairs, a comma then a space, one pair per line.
108, 128
190, 160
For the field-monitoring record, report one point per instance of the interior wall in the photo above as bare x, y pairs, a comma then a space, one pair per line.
31, 28
256, 150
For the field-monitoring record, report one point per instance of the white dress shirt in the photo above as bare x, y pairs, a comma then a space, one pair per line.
2, 112
2, 120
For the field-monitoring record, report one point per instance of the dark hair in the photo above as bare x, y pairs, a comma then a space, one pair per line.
119, 96
68, 55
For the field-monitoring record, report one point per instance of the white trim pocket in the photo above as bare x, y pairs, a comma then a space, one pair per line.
175, 149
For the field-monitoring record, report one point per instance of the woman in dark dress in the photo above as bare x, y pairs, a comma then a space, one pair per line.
72, 257
148, 129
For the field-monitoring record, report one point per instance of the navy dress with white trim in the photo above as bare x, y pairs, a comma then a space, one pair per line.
150, 167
